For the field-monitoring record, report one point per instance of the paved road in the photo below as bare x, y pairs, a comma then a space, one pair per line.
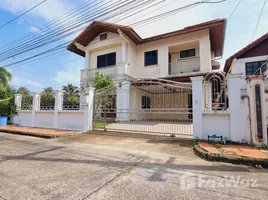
34, 168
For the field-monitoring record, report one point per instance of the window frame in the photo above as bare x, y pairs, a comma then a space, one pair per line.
145, 64
106, 60
147, 102
252, 67
188, 54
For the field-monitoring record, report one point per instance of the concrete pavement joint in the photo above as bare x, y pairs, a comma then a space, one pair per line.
128, 170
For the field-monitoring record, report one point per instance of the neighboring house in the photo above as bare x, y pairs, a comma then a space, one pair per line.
251, 60
155, 67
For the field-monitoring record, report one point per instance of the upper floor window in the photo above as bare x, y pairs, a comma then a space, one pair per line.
187, 53
106, 60
150, 58
103, 36
255, 68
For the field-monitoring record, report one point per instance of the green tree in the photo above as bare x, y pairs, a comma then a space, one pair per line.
7, 105
23, 91
101, 81
47, 95
71, 93
5, 77
27, 99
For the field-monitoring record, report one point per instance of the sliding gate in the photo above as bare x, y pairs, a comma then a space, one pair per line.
146, 105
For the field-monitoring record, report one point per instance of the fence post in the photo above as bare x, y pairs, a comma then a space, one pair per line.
88, 103
123, 101
35, 106
58, 107
18, 99
197, 106
234, 95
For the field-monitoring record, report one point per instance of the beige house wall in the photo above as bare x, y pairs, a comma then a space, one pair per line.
164, 106
135, 53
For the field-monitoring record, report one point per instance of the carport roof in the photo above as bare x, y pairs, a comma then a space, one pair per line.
216, 29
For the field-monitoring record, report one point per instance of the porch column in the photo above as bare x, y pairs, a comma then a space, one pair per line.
87, 58
18, 98
123, 101
124, 51
58, 106
258, 109
234, 95
197, 107
205, 54
35, 106
87, 103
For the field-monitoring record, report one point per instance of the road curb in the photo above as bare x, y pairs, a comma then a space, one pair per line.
46, 136
229, 158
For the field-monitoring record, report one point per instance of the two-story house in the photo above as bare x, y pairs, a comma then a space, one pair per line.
156, 63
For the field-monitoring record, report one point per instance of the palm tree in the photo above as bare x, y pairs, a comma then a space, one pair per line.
5, 77
71, 93
70, 90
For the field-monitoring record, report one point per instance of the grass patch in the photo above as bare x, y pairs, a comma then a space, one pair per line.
101, 124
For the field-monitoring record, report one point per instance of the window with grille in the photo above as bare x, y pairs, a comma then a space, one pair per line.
255, 68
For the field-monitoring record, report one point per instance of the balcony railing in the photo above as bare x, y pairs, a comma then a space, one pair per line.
184, 66
116, 71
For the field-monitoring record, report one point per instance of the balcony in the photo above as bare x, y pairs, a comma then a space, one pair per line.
116, 72
184, 66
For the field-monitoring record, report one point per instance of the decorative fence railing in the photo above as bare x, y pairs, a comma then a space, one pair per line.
26, 102
215, 91
47, 101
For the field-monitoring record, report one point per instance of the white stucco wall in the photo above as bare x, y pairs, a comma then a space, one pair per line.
23, 118
44, 119
73, 120
68, 120
239, 66
216, 123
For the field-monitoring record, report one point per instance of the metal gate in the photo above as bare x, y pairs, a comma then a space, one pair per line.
145, 105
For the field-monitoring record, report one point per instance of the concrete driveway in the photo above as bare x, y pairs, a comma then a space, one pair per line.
135, 167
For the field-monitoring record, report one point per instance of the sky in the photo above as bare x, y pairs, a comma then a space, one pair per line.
65, 68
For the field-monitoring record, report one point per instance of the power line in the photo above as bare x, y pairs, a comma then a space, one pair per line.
66, 31
254, 32
55, 48
22, 14
234, 9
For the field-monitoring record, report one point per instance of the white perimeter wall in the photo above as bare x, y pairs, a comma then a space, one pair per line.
23, 118
67, 120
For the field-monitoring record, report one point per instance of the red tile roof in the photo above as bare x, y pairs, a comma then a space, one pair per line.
242, 51
216, 27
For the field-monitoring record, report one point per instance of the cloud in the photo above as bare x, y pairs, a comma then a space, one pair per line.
30, 84
70, 74
49, 10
